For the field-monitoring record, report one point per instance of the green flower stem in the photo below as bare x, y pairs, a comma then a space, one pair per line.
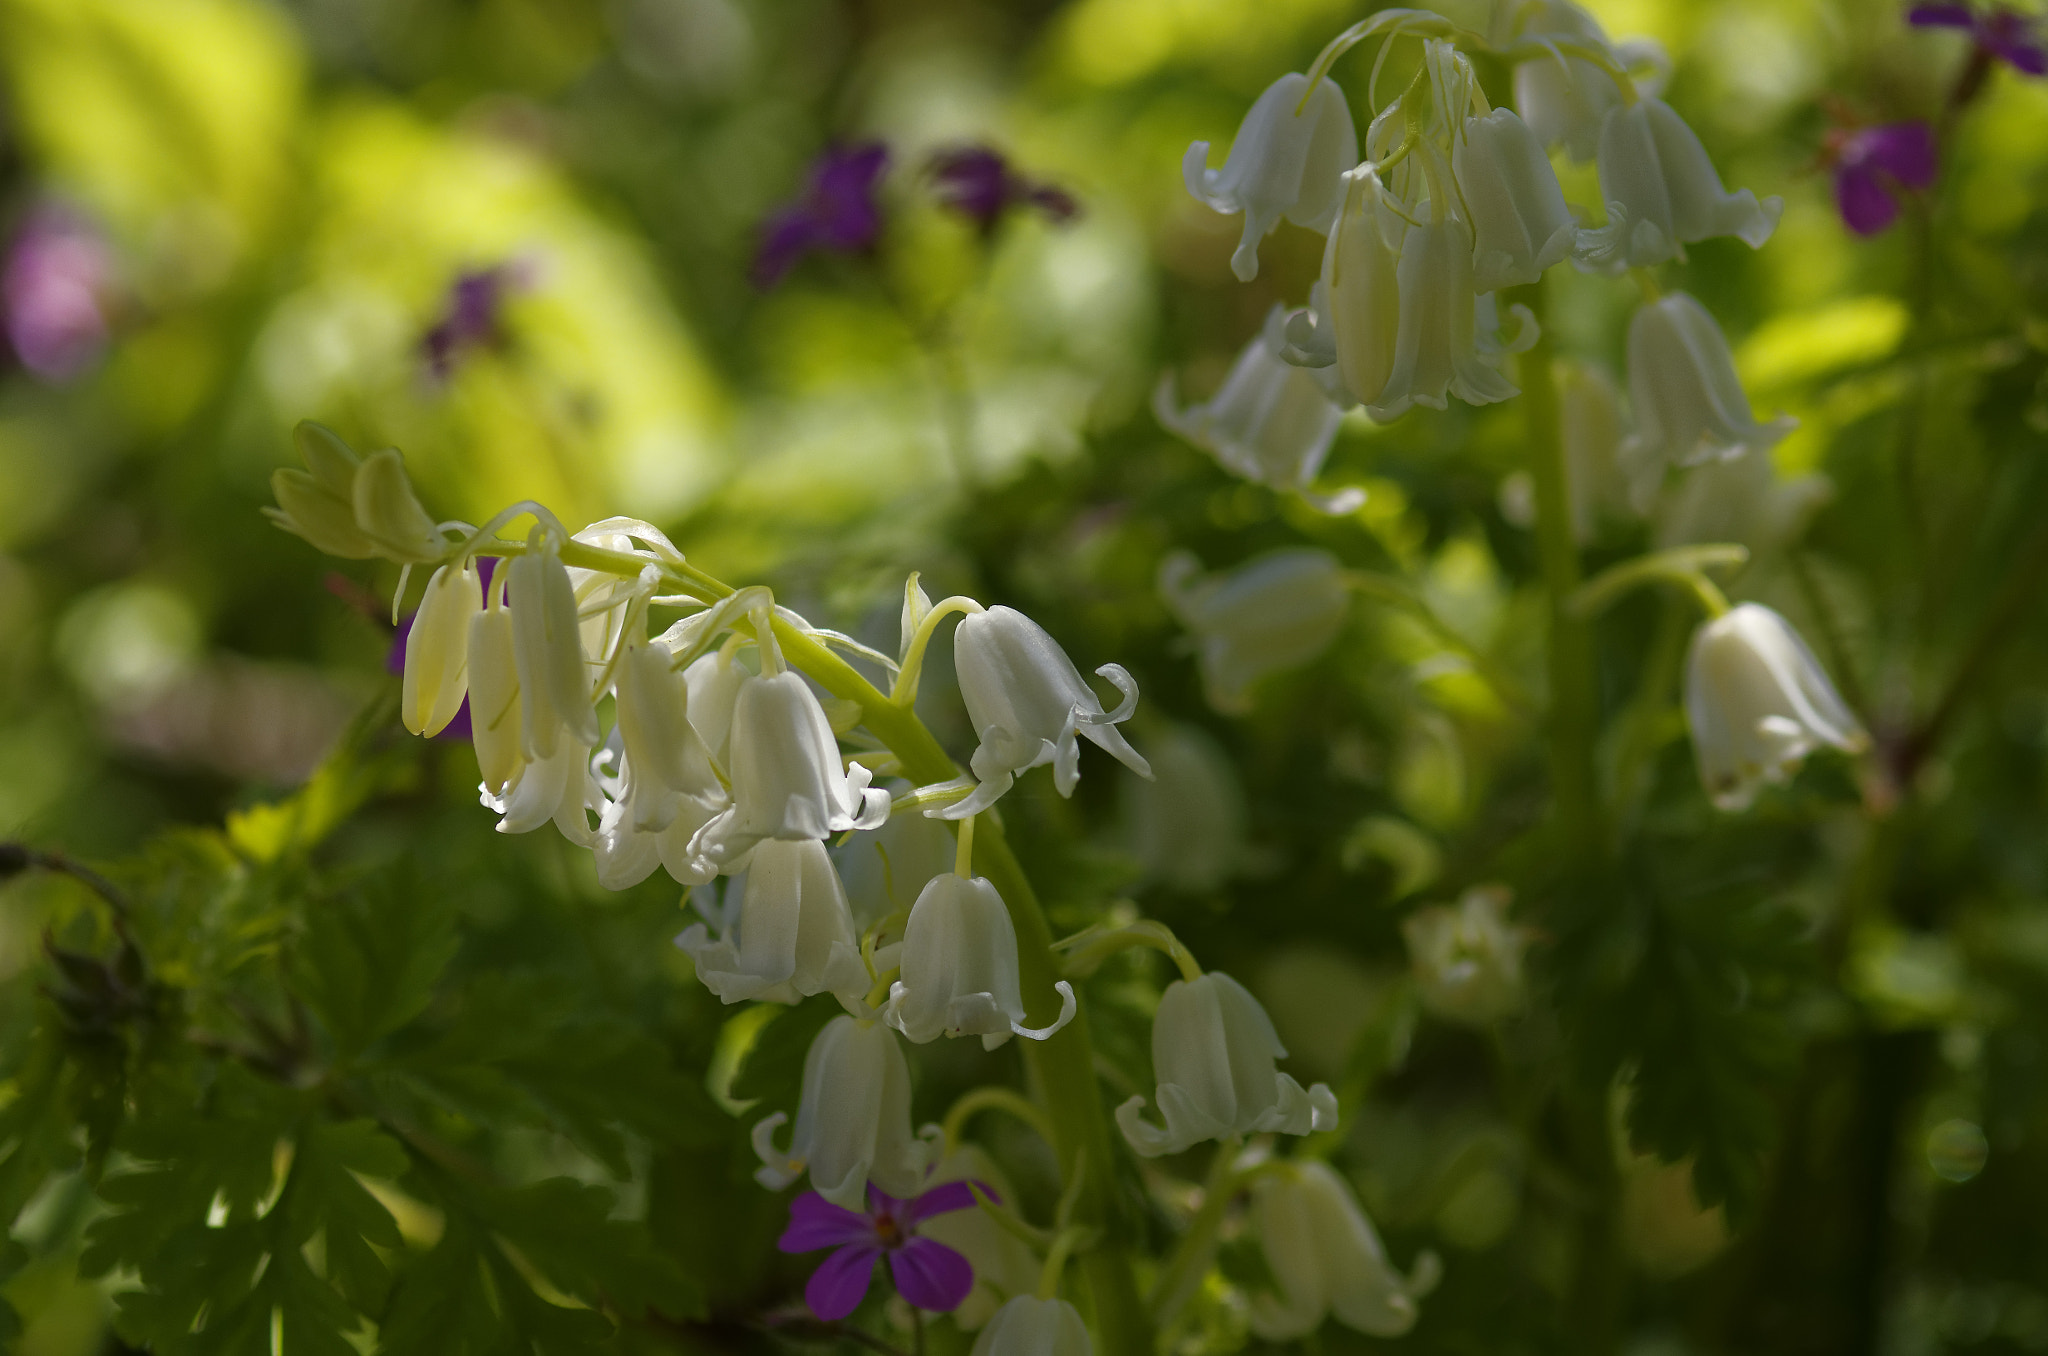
1191, 1256
1064, 1066
1574, 713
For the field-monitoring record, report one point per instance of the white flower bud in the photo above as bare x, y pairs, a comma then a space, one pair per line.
853, 1122
1029, 1326
1662, 192
787, 779
1688, 403
1281, 164
547, 640
1327, 1258
318, 503
390, 514
1270, 422
1351, 330
494, 716
1028, 705
1467, 958
960, 968
1004, 1264
1438, 352
793, 937
1213, 1049
1520, 225
1758, 703
1268, 615
437, 649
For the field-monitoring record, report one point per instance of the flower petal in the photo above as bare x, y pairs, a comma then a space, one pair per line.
946, 1197
1941, 16
931, 1275
840, 1283
815, 1222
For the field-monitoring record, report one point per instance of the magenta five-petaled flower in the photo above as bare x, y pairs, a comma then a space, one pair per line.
1873, 164
837, 212
928, 1274
2007, 34
471, 315
981, 185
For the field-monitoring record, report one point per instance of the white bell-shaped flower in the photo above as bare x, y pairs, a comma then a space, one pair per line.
1187, 826
1270, 422
557, 787
1520, 225
1662, 192
1003, 1263
1589, 412
390, 514
1438, 351
1467, 957
787, 779
1351, 330
1688, 403
1564, 97
1758, 703
665, 790
437, 649
853, 1122
1268, 615
1327, 1259
793, 936
1213, 1049
714, 681
1029, 1326
1028, 705
1283, 164
492, 666
547, 642
959, 964
1743, 500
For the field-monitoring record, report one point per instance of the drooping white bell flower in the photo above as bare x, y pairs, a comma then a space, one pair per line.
1270, 422
557, 787
494, 706
1438, 350
1689, 405
1743, 500
1520, 225
437, 649
1213, 1049
1188, 826
1028, 705
1004, 1264
665, 789
547, 641
1282, 164
1662, 192
793, 936
1351, 330
1758, 703
959, 964
1271, 614
787, 779
714, 680
1029, 1326
1327, 1259
1467, 957
1589, 411
1563, 97
853, 1122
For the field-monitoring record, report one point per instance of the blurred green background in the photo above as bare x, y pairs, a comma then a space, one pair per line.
274, 200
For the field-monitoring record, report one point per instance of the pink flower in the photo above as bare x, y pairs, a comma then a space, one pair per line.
53, 288
928, 1274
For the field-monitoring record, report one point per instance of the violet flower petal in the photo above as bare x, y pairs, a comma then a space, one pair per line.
2009, 35
1903, 150
840, 1283
1941, 16
931, 1275
1867, 207
815, 1222
945, 1197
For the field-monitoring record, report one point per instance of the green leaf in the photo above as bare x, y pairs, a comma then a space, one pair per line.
326, 1197
441, 1305
565, 1230
369, 961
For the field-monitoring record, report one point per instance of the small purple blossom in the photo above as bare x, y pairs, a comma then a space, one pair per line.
2007, 34
472, 315
53, 291
980, 184
837, 212
394, 662
1872, 166
928, 1274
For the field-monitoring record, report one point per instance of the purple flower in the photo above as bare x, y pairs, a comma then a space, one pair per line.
394, 662
978, 183
2004, 33
928, 1274
1872, 165
837, 212
57, 273
471, 316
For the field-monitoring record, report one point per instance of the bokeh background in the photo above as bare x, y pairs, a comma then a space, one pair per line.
225, 216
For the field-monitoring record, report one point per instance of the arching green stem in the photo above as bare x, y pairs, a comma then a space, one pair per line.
1685, 566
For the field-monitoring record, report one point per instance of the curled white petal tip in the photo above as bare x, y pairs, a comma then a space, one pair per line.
1068, 1006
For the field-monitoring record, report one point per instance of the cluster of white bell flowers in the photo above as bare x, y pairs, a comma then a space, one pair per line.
1327, 1259
1444, 204
1467, 957
701, 749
